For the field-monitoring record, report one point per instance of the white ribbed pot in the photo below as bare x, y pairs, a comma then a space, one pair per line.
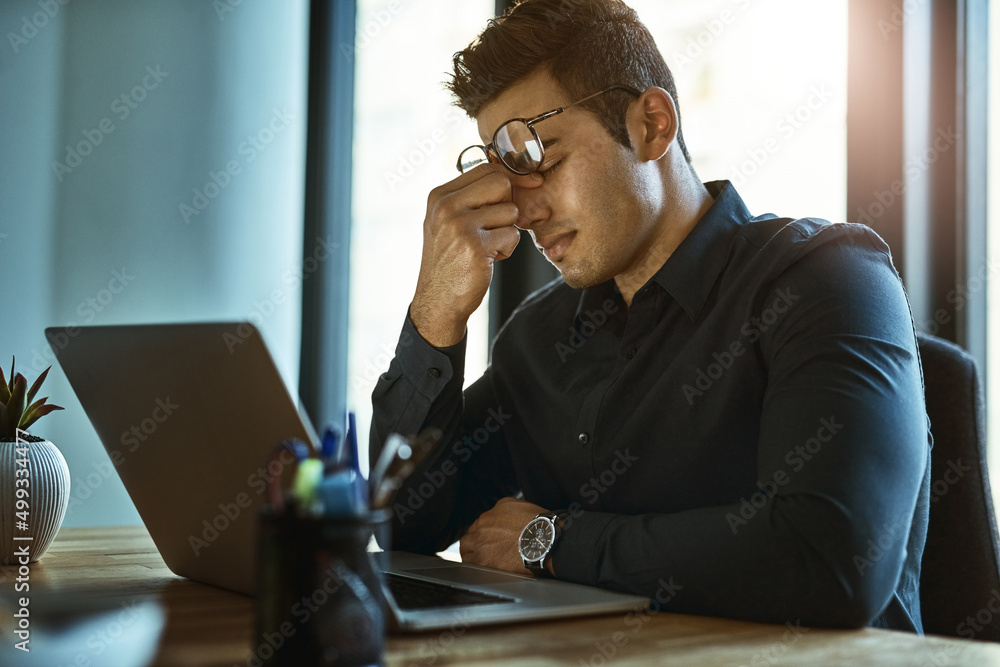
47, 499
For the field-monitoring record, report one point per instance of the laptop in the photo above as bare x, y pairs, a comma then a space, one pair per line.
189, 415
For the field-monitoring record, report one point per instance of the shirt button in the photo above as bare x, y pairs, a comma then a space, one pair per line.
630, 353
434, 373
584, 438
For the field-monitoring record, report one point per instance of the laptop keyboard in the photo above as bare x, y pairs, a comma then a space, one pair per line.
413, 594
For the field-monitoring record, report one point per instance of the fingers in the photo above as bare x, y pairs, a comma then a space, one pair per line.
469, 543
465, 550
484, 202
469, 210
488, 184
532, 180
495, 216
484, 185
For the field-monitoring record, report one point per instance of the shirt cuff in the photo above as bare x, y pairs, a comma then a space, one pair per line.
429, 369
575, 555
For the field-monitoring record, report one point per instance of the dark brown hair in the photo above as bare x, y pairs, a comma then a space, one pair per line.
587, 45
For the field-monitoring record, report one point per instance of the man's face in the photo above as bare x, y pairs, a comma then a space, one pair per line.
591, 216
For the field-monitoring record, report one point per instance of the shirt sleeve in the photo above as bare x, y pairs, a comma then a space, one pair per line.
842, 455
470, 470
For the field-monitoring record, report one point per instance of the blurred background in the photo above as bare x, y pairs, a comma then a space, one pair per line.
270, 162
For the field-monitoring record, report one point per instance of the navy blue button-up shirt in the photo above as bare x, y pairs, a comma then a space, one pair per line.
747, 439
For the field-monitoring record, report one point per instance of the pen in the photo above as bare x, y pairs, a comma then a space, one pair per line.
307, 481
385, 458
405, 456
331, 441
348, 455
342, 491
301, 452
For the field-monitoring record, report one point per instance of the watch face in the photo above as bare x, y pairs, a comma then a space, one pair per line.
536, 539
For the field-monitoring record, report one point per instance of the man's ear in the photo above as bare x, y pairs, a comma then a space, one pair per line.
653, 124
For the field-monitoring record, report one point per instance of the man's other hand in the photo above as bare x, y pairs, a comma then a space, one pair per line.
492, 541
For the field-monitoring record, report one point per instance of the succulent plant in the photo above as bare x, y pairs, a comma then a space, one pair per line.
17, 412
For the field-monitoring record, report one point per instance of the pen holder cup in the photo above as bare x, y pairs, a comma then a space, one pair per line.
319, 594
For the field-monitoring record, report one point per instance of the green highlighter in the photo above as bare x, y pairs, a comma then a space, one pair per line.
307, 481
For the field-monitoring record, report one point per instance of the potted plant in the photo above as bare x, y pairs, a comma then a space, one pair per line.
34, 477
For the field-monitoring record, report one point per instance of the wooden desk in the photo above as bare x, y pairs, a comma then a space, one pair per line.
210, 626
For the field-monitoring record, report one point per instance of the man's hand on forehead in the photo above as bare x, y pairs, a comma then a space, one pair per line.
468, 226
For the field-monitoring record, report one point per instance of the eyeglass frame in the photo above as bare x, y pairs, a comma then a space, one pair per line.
490, 149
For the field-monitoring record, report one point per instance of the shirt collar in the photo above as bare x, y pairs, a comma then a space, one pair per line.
693, 268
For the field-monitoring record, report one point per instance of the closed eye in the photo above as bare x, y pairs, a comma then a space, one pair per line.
551, 169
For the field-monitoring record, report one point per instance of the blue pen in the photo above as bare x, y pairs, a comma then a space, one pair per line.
343, 491
331, 441
348, 457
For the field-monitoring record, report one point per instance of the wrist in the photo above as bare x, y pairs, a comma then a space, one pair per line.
437, 330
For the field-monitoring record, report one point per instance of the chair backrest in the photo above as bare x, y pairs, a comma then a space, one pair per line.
960, 570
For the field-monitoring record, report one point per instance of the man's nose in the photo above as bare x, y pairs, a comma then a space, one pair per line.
531, 199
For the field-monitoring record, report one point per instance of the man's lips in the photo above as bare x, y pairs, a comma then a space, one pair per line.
555, 245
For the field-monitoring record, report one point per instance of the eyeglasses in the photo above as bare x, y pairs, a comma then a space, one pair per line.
516, 144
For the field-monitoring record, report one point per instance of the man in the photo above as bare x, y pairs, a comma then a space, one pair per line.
727, 406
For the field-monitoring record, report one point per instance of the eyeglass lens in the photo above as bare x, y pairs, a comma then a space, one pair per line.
518, 148
471, 158
515, 144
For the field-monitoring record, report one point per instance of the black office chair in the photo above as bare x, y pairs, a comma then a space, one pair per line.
960, 571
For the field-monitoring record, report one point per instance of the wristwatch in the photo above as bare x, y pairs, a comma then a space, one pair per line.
537, 540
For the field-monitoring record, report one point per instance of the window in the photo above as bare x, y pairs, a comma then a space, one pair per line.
763, 97
993, 240
407, 139
767, 113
